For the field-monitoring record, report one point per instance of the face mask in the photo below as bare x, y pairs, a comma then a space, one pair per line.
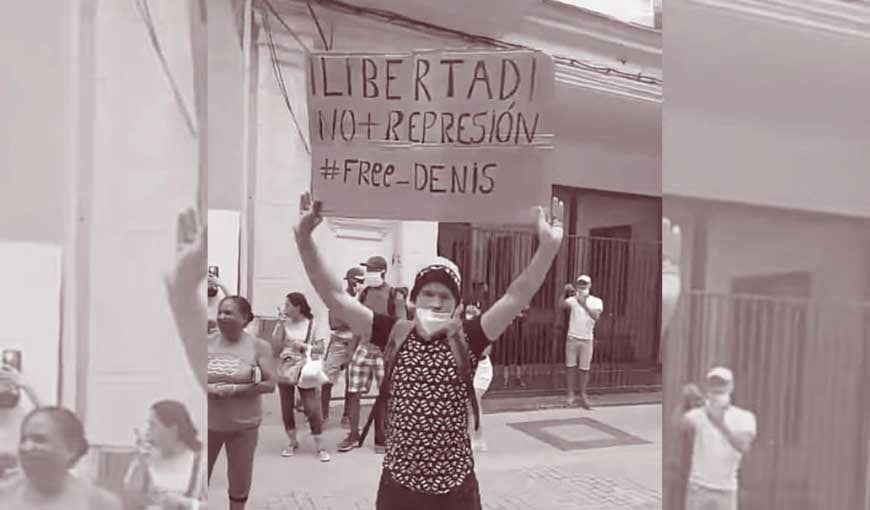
583, 292
720, 399
373, 280
430, 321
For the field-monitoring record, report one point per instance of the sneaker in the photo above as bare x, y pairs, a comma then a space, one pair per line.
345, 422
289, 450
323, 455
584, 403
380, 449
349, 443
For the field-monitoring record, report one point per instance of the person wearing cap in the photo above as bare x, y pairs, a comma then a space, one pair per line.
341, 345
719, 433
585, 311
367, 363
429, 461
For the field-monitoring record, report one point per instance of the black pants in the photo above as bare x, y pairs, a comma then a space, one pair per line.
392, 496
287, 394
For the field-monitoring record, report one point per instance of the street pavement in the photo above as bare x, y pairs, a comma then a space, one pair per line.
554, 459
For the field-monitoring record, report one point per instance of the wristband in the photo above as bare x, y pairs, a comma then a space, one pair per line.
256, 374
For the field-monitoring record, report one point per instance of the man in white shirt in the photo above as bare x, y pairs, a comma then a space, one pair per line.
585, 309
720, 434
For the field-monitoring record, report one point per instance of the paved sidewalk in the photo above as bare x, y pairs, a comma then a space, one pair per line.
557, 459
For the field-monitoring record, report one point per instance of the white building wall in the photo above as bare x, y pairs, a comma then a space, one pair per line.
144, 173
97, 159
622, 154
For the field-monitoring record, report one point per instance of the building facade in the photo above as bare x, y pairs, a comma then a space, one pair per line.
606, 163
767, 174
100, 155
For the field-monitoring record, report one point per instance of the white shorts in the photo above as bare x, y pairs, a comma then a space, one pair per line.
578, 353
483, 375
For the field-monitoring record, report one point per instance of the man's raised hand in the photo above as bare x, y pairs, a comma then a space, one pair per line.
310, 215
550, 225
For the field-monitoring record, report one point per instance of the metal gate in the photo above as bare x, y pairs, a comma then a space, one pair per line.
803, 367
530, 356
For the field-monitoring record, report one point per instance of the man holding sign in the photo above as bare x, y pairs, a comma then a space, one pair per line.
429, 458
430, 135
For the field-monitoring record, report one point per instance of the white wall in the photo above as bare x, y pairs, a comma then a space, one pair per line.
144, 173
746, 241
765, 112
35, 98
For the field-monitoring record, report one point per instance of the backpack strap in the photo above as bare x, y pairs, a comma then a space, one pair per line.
308, 333
400, 332
391, 303
459, 349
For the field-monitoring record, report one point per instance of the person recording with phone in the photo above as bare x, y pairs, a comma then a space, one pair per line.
17, 399
216, 292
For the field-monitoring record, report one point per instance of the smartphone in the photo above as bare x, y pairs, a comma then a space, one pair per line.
12, 358
214, 271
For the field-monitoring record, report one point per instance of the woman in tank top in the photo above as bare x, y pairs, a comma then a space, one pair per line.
293, 334
240, 370
167, 473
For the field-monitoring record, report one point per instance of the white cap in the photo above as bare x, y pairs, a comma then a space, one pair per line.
584, 278
721, 373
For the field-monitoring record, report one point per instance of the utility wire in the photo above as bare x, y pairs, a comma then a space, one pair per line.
145, 13
279, 77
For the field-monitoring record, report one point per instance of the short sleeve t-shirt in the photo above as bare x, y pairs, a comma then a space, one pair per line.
582, 324
714, 461
428, 446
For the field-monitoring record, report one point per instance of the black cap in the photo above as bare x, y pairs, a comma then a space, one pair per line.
355, 274
375, 264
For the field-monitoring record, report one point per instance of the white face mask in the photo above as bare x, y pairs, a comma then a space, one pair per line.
431, 321
583, 292
373, 280
720, 399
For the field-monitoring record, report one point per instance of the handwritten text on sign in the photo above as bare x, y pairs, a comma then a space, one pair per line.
444, 136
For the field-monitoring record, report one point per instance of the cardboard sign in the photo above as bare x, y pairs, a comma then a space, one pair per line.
439, 136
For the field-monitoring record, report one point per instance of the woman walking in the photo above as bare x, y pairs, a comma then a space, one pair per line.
293, 341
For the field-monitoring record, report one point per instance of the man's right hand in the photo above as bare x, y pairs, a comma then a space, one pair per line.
311, 217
